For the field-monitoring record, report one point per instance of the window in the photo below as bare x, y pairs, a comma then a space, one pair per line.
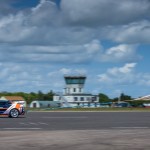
2, 104
74, 89
93, 99
88, 98
82, 98
75, 98
80, 90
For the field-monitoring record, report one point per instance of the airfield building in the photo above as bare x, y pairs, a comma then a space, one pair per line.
73, 94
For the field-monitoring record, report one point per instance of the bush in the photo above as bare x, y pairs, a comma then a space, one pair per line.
138, 103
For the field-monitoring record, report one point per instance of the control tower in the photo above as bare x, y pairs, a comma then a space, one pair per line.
74, 84
74, 95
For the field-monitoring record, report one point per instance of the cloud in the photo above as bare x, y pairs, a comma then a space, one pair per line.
45, 32
6, 7
24, 77
104, 12
127, 68
137, 32
119, 75
125, 75
40, 44
121, 53
65, 71
53, 25
72, 34
45, 53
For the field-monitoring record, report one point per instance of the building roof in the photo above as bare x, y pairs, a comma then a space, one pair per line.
147, 97
14, 98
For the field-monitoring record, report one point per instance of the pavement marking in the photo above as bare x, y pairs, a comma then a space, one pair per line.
33, 123
42, 123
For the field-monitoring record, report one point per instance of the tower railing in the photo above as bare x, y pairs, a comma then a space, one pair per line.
63, 99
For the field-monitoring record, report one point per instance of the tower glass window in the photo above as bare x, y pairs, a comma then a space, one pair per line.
75, 80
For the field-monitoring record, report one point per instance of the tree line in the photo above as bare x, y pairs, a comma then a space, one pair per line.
103, 98
29, 97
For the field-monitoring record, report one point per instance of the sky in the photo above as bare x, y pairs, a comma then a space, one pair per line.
106, 40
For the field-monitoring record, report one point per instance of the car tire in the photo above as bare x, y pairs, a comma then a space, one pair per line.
14, 113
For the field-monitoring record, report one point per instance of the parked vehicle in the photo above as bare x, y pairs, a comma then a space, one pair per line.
12, 110
121, 104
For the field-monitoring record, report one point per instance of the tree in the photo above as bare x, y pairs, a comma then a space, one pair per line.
103, 98
49, 96
40, 95
124, 97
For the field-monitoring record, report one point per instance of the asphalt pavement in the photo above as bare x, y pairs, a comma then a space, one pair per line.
76, 131
77, 121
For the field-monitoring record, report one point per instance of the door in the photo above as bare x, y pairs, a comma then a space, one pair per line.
34, 105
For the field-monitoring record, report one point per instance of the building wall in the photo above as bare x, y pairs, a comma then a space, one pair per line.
78, 99
73, 89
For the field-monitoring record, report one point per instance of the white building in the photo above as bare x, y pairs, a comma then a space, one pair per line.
44, 104
74, 96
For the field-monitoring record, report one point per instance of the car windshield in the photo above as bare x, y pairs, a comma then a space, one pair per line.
2, 104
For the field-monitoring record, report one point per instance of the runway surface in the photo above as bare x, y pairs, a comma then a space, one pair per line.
76, 131
77, 121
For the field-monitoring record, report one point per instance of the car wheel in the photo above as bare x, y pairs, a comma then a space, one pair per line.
14, 113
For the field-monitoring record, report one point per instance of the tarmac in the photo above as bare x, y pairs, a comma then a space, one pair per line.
76, 131
124, 139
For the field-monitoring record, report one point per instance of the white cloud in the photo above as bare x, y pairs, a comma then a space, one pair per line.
134, 33
65, 71
94, 47
53, 25
46, 53
104, 78
15, 75
125, 75
121, 53
126, 69
119, 75
44, 33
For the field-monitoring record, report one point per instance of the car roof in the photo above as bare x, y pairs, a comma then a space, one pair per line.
4, 100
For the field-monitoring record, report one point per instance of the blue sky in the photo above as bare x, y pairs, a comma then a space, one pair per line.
107, 40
